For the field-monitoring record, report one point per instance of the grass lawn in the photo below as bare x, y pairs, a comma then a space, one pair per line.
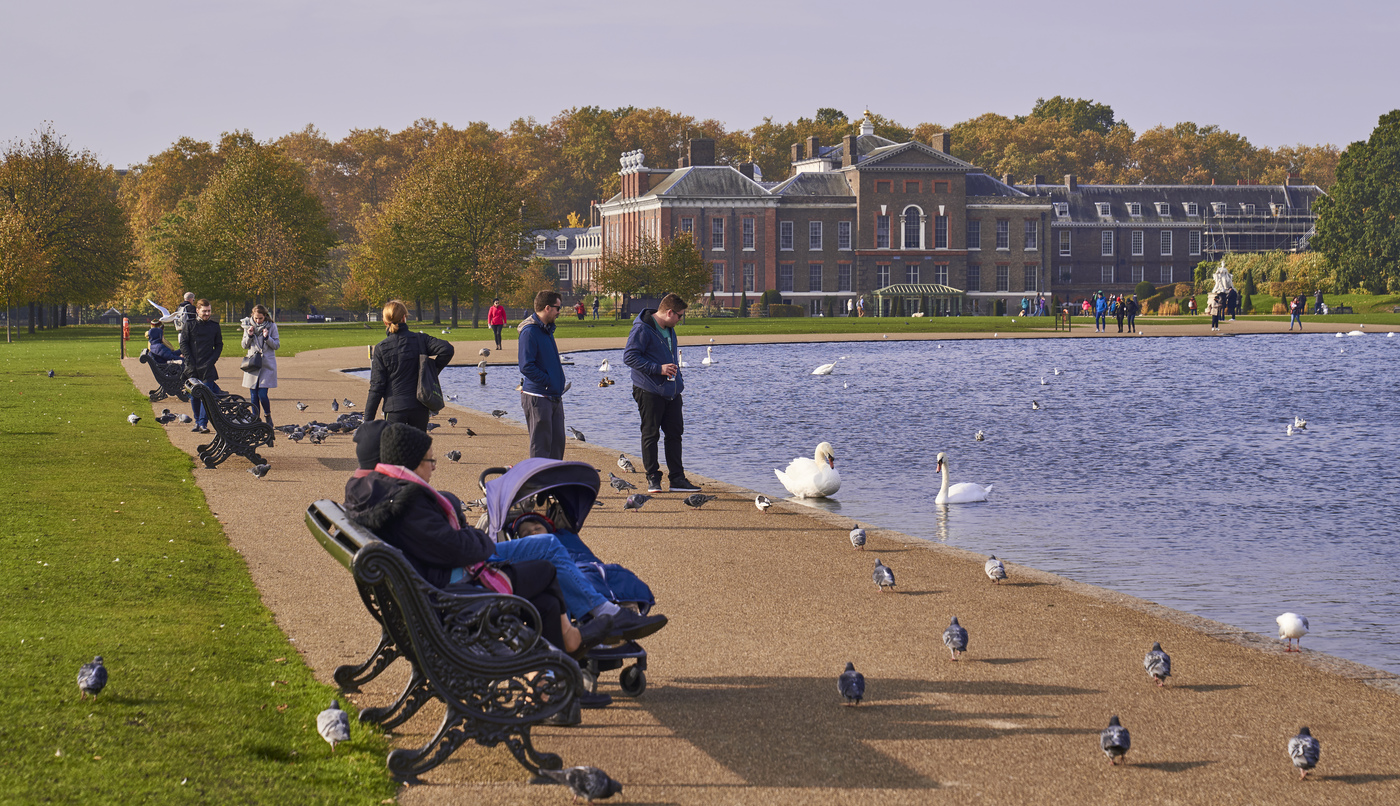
110, 549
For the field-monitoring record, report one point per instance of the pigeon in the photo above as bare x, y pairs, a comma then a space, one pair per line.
1303, 749
883, 576
979, 436
50, 373
1158, 664
1292, 627
697, 500
589, 783
851, 684
316, 437
335, 405
184, 418
302, 406
955, 638
452, 421
484, 352
297, 436
857, 537
578, 435
625, 463
433, 426
763, 502
470, 432
635, 501
348, 404
618, 483
92, 678
498, 413
996, 569
165, 416
452, 397
132, 418
1115, 741
1035, 404
333, 724
260, 470
454, 456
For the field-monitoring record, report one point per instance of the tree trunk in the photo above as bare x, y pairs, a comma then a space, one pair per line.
454, 307
437, 309
476, 309
418, 304
31, 318
63, 322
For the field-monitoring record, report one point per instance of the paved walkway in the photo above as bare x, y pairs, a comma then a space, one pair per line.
766, 609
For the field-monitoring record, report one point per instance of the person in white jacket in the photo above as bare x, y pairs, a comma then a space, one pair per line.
260, 336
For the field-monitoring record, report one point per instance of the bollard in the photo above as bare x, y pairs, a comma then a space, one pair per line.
483, 378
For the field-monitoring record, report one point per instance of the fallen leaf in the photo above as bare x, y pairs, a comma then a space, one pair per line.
279, 660
284, 706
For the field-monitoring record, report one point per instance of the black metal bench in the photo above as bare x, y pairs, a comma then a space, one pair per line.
237, 427
1339, 309
168, 377
481, 654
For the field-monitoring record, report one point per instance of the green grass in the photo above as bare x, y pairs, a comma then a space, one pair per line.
109, 548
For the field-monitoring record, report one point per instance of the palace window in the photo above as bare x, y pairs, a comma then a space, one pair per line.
911, 186
1062, 209
564, 270
814, 276
843, 235
940, 273
1193, 242
1166, 242
1003, 277
785, 277
687, 224
974, 277
814, 235
1106, 242
748, 232
717, 233
974, 234
1135, 209
1193, 210
882, 274
1030, 278
882, 232
1065, 245
717, 276
1003, 234
1137, 242
843, 277
785, 236
940, 232
748, 277
1105, 209
1105, 274
911, 274
1166, 275
913, 228
1032, 234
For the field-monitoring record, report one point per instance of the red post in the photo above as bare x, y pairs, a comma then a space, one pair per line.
126, 334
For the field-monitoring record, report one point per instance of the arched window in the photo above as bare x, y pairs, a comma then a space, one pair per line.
913, 227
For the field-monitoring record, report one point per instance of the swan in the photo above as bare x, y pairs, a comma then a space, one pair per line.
605, 366
680, 356
1057, 370
812, 478
964, 493
709, 359
824, 369
1292, 627
1355, 333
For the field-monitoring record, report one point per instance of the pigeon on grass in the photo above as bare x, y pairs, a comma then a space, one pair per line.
955, 638
589, 783
1303, 749
1158, 664
858, 537
132, 418
1115, 741
92, 678
996, 569
333, 724
851, 684
883, 576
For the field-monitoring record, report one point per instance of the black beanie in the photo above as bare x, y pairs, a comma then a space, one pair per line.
367, 439
402, 444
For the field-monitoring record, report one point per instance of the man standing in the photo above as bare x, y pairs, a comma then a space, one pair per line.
541, 393
1232, 303
207, 341
1317, 304
595, 307
656, 386
1100, 314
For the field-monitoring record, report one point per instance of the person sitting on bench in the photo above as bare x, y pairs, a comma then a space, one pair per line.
156, 346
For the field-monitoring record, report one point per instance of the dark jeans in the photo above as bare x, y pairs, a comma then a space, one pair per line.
1100, 321
544, 416
536, 581
201, 417
660, 414
259, 397
418, 418
497, 330
1131, 327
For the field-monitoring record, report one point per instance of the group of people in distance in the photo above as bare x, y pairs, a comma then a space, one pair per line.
1118, 307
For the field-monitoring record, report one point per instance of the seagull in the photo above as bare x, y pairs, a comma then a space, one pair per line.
578, 435
1158, 664
335, 405
697, 500
1035, 405
996, 569
680, 357
333, 724
1299, 423
712, 341
883, 576
763, 502
481, 365
132, 418
1303, 749
857, 537
955, 638
452, 421
824, 369
979, 436
1057, 370
302, 406
851, 684
165, 315
1292, 627
260, 470
454, 456
605, 366
589, 783
1290, 429
618, 483
452, 397
1115, 741
625, 464
635, 501
498, 413
92, 678
1043, 382
484, 351
709, 358
348, 404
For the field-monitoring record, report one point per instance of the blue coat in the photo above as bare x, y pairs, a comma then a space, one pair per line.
539, 358
1101, 305
647, 351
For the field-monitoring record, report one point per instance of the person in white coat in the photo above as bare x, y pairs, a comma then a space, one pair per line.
260, 336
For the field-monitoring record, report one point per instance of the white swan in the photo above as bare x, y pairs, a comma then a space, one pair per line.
605, 366
812, 478
680, 356
1356, 333
964, 493
824, 369
709, 359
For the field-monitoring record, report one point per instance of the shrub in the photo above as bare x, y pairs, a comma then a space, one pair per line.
1279, 309
1182, 290
780, 309
771, 297
755, 309
1169, 308
1248, 305
1144, 290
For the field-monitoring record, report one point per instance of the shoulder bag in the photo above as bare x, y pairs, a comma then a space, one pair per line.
429, 389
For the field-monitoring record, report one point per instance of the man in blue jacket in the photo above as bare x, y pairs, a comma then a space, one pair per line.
656, 386
542, 390
1100, 314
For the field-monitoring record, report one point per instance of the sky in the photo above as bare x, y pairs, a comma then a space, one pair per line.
125, 79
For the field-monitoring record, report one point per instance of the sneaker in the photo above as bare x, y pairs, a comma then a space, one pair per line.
197, 429
654, 485
683, 485
594, 700
630, 626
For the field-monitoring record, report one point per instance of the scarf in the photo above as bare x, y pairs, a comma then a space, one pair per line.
404, 474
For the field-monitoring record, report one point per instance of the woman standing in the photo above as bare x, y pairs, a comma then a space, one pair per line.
260, 336
496, 318
1215, 308
1296, 313
393, 375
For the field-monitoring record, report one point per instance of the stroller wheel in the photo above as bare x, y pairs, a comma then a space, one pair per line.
633, 681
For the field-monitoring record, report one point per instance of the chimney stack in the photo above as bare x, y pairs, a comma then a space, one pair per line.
942, 142
1071, 185
701, 151
796, 152
1039, 180
848, 151
1291, 180
1008, 179
813, 147
746, 168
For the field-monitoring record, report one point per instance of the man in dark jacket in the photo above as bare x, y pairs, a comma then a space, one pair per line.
656, 386
206, 344
1232, 303
542, 390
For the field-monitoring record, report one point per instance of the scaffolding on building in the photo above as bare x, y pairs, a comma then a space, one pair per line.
1270, 228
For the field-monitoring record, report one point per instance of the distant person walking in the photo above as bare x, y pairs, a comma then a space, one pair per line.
1232, 303
1317, 302
542, 390
1100, 314
393, 372
1131, 308
595, 307
860, 307
1191, 306
579, 310
260, 336
1296, 309
496, 318
1119, 309
653, 355
207, 344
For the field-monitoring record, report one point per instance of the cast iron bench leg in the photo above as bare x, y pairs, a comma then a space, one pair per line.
350, 678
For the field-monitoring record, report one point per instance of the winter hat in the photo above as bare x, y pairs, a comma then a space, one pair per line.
402, 444
367, 439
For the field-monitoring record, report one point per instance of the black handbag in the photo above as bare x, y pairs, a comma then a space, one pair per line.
429, 389
252, 362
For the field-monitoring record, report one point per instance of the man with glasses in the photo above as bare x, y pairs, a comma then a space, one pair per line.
542, 390
656, 386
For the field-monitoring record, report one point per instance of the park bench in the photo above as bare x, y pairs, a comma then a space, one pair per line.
481, 655
237, 427
1339, 309
170, 384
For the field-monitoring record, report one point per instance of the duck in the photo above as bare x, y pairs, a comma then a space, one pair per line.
964, 493
709, 358
812, 478
824, 369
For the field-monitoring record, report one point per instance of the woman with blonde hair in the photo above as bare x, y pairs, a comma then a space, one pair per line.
393, 375
260, 338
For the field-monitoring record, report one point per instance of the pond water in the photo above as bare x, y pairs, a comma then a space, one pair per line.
1159, 467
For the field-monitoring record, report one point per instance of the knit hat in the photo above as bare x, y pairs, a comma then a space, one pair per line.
367, 439
402, 444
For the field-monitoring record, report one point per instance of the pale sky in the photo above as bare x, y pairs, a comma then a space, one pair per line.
125, 79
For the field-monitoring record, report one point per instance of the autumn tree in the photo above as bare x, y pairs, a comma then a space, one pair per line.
24, 263
1358, 225
654, 269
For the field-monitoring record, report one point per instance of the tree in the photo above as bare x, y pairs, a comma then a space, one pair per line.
652, 269
24, 263
1358, 225
1081, 115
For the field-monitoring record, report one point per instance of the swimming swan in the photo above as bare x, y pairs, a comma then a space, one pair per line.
709, 359
824, 369
964, 493
812, 478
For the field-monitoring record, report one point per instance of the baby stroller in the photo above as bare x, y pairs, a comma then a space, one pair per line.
564, 493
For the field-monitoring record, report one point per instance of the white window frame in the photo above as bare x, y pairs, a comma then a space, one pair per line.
1166, 242
1246, 209
562, 244
1066, 272
1139, 273
1003, 234
1032, 235
820, 270
1135, 209
1003, 277
1066, 243
843, 277
785, 268
940, 273
540, 244
1106, 243
1062, 209
1106, 274
1166, 276
688, 225
717, 234
1031, 273
912, 273
882, 275
564, 272
748, 277
974, 234
1164, 209
918, 227
974, 277
814, 236
785, 236
1139, 243
1218, 208
1193, 210
1105, 209
1193, 242
882, 222
748, 229
843, 236
940, 225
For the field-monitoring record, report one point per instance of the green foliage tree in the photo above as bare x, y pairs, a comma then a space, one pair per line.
1358, 225
673, 267
1081, 115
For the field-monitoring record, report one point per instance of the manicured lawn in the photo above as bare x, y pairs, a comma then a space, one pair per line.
110, 549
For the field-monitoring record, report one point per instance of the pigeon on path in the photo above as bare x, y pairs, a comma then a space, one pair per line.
857, 537
851, 684
452, 421
470, 432
955, 638
1158, 664
184, 418
625, 464
302, 406
578, 435
589, 783
454, 456
1292, 627
883, 576
1115, 741
763, 502
132, 418
996, 569
347, 403
635, 501
1303, 749
92, 678
333, 724
165, 416
618, 483
697, 500
260, 470
498, 413
335, 405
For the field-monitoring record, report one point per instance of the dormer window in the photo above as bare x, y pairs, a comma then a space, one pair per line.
1217, 208
1193, 210
1062, 209
1276, 208
539, 244
1135, 209
1163, 208
1104, 209
563, 244
1247, 209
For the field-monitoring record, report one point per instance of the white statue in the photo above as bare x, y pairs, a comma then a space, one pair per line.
1223, 283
